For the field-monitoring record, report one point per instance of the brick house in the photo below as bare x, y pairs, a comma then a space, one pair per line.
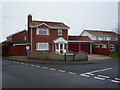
80, 43
18, 37
47, 36
102, 39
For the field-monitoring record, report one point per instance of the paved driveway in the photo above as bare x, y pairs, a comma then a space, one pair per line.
97, 57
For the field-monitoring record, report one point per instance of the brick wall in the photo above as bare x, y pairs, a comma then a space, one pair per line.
55, 56
18, 37
52, 36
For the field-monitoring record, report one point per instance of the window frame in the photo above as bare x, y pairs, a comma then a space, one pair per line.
42, 29
40, 49
60, 30
113, 48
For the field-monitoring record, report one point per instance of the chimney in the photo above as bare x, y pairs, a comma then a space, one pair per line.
29, 18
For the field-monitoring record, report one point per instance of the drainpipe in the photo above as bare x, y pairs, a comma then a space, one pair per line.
31, 40
91, 48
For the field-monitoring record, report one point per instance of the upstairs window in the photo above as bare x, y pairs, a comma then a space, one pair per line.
97, 38
59, 32
104, 38
42, 31
25, 38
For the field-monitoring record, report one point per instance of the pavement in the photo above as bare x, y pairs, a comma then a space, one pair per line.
92, 58
97, 56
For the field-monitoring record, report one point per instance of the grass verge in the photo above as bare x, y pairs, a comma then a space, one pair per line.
114, 54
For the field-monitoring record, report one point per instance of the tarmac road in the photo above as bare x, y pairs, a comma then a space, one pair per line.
25, 75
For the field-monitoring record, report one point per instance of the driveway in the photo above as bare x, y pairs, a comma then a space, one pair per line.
97, 57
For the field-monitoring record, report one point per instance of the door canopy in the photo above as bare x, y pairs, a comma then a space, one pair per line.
60, 40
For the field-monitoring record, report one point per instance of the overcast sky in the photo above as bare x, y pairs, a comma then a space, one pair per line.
77, 15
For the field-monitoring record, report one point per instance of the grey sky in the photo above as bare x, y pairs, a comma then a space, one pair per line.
77, 15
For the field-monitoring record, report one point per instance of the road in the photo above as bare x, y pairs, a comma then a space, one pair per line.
25, 75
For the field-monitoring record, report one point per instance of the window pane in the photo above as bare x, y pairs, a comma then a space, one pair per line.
112, 47
60, 32
42, 46
42, 31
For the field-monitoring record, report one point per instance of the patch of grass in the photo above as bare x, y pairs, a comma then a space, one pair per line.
114, 54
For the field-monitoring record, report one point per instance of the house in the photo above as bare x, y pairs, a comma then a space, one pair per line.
47, 36
80, 43
18, 37
102, 39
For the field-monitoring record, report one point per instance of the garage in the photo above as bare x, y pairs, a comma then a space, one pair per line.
73, 47
85, 47
79, 43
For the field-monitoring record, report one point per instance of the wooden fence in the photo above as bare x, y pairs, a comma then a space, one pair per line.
14, 51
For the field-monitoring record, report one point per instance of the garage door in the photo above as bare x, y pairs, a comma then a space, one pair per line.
85, 48
73, 47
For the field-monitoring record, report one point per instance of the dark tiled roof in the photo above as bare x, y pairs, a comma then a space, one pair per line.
79, 38
17, 33
101, 32
51, 24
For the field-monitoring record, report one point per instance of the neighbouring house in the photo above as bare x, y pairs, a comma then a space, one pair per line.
80, 43
102, 39
16, 44
18, 37
47, 36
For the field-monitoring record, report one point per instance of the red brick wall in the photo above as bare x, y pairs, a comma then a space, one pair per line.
53, 35
19, 37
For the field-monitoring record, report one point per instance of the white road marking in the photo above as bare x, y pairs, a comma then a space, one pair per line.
13, 61
37, 66
103, 76
115, 81
99, 78
89, 74
100, 70
45, 67
52, 69
61, 71
84, 75
32, 65
17, 62
71, 73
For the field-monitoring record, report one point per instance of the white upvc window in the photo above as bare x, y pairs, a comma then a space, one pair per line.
100, 46
104, 38
42, 46
97, 37
42, 31
25, 38
59, 32
112, 47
